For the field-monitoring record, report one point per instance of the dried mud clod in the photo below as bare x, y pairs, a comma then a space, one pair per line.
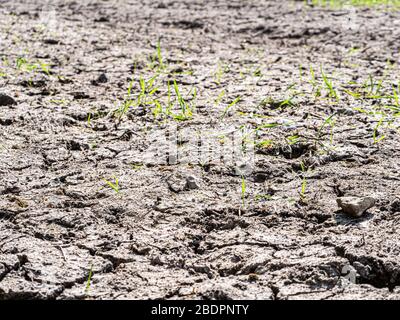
356, 206
6, 100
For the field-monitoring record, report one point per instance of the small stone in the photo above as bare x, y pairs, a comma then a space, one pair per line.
176, 183
6, 100
101, 79
253, 277
355, 206
191, 183
182, 182
395, 205
243, 168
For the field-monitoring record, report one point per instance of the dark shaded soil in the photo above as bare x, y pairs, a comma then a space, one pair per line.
160, 237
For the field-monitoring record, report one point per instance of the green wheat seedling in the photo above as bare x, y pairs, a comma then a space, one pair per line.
375, 87
89, 280
393, 108
123, 109
89, 119
257, 72
228, 107
45, 68
113, 185
157, 109
329, 85
265, 144
287, 102
316, 88
375, 134
24, 65
360, 3
147, 90
276, 104
185, 108
354, 94
148, 97
291, 140
332, 125
260, 129
5, 61
304, 183
303, 188
145, 96
243, 192
369, 89
59, 102
396, 94
372, 88
156, 60
159, 56
169, 99
137, 166
331, 122
218, 100
328, 121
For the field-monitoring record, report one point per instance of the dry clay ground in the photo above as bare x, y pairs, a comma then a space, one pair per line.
262, 227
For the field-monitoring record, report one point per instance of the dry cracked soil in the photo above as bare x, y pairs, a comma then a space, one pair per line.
118, 183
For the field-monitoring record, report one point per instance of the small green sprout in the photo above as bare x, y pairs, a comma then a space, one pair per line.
218, 100
303, 183
243, 192
329, 86
186, 112
375, 134
292, 139
89, 280
114, 186
137, 166
234, 102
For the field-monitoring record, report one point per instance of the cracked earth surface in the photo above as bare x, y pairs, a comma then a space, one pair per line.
156, 238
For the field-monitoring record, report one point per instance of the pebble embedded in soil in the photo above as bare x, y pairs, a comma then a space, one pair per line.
355, 206
243, 168
6, 100
191, 183
101, 79
395, 205
181, 182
